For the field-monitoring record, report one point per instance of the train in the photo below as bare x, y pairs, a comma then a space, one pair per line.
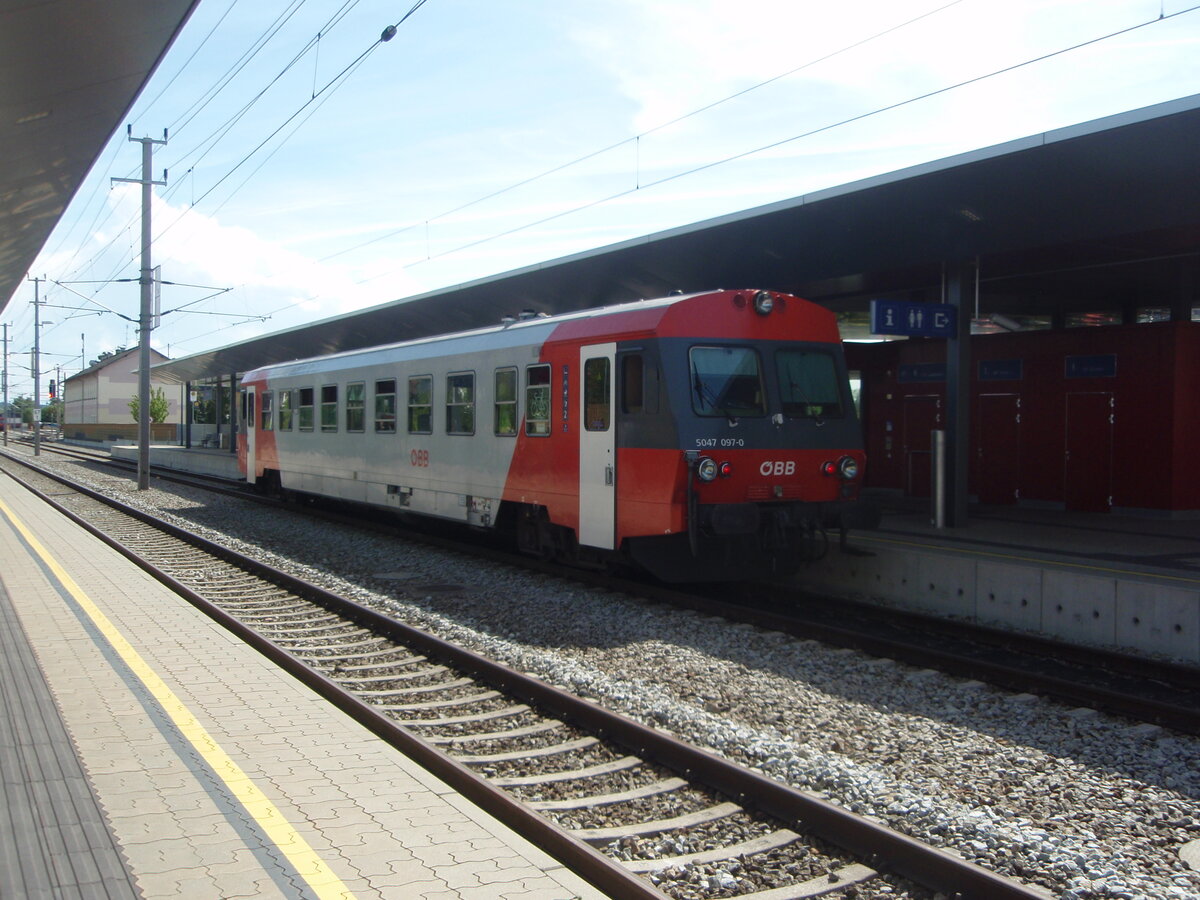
699, 437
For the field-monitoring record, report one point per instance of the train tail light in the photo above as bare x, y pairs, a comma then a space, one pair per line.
725, 470
846, 468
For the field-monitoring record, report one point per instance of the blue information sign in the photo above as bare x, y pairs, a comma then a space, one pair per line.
913, 319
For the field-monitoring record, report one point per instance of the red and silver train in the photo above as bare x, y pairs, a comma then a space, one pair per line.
702, 437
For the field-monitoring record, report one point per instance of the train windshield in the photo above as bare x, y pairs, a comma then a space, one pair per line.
726, 381
808, 384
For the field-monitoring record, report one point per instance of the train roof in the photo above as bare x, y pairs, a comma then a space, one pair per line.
514, 332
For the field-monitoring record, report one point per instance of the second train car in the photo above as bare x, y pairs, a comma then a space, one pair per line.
703, 437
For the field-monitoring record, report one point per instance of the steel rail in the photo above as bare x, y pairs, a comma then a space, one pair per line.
878, 845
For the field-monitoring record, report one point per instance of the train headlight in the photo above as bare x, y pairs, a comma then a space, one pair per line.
706, 469
848, 468
763, 303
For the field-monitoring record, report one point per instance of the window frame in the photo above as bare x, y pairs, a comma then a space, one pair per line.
356, 409
588, 396
458, 409
266, 411
512, 405
427, 406
302, 408
382, 419
329, 408
286, 409
531, 404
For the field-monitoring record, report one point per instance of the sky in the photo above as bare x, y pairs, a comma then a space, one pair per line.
313, 169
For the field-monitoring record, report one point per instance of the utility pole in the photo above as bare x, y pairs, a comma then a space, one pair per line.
7, 418
145, 323
37, 373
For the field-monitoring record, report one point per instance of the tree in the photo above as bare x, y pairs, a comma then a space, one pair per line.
159, 408
23, 407
52, 412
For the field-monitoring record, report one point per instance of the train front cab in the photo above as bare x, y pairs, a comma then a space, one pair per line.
734, 456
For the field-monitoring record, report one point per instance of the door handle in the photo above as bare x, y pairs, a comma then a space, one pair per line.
608, 475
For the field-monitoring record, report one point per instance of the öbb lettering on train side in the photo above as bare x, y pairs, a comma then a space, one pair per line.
419, 458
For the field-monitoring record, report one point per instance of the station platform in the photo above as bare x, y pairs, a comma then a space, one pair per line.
145, 752
197, 460
1115, 581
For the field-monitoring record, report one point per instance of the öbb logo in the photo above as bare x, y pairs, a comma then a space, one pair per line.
778, 467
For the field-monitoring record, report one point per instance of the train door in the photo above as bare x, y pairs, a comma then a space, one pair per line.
1087, 482
922, 414
597, 447
248, 424
998, 448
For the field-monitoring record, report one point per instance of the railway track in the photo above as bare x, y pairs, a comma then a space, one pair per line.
632, 809
1141, 689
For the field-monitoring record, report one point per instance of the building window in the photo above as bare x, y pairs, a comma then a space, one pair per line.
506, 401
537, 400
306, 409
420, 404
266, 422
356, 406
285, 410
460, 403
385, 406
329, 407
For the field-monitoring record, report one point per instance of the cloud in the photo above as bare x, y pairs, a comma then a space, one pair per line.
265, 277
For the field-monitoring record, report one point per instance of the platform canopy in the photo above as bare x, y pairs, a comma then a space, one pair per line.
69, 72
1102, 213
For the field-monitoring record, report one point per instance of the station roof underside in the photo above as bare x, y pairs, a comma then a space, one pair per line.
1116, 202
69, 72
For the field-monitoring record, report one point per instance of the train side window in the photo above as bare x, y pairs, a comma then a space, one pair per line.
632, 383
266, 420
597, 410
506, 402
537, 400
385, 406
420, 404
460, 403
285, 410
329, 407
306, 409
356, 406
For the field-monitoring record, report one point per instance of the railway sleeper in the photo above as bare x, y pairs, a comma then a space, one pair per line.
527, 731
640, 793
643, 829
517, 755
489, 716
607, 768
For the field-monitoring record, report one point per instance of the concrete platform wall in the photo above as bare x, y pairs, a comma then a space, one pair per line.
1114, 610
220, 463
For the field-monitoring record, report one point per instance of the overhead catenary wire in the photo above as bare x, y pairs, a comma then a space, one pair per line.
639, 186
